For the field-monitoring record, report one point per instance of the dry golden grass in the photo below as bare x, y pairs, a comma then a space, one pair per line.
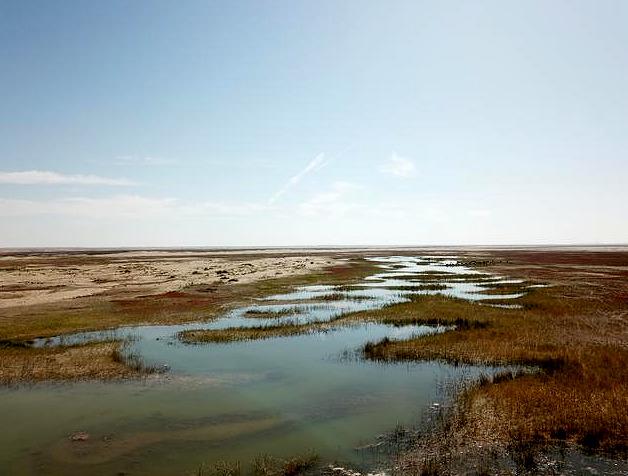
257, 313
235, 334
101, 361
575, 333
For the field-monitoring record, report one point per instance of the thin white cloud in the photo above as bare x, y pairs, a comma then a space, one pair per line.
398, 166
124, 207
225, 209
41, 177
335, 201
315, 164
143, 160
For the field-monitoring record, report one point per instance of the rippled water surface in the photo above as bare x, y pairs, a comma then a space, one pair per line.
234, 401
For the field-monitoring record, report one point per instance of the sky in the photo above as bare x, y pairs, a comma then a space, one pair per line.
295, 123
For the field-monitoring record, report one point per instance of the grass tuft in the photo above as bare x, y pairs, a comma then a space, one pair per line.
265, 465
234, 334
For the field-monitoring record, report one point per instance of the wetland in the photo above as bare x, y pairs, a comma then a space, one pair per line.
332, 364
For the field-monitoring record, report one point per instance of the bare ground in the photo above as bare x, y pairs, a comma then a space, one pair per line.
47, 278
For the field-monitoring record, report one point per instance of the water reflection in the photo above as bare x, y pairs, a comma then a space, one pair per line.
282, 395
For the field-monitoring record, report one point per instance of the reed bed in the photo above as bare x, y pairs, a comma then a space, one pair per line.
234, 334
574, 333
258, 313
101, 360
416, 287
342, 296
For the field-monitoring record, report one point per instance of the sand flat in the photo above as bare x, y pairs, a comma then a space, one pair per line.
28, 279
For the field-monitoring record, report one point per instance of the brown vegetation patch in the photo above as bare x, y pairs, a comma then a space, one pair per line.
428, 310
234, 334
575, 332
264, 465
562, 257
104, 360
257, 313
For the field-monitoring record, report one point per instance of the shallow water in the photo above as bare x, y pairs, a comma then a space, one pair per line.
280, 396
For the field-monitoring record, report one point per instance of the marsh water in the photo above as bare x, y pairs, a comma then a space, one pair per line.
279, 396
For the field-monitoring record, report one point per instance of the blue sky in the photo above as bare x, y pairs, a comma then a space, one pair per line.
313, 123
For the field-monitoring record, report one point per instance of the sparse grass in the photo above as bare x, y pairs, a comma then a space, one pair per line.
336, 296
353, 287
102, 360
505, 289
342, 296
498, 285
441, 276
131, 360
220, 468
417, 287
265, 465
351, 272
234, 334
491, 300
258, 313
429, 310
